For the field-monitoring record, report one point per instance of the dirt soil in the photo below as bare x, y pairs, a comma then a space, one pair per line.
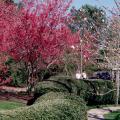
14, 94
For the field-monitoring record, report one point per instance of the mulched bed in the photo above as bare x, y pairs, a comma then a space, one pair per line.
14, 94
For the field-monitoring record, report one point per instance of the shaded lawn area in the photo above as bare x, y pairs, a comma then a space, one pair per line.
113, 115
8, 105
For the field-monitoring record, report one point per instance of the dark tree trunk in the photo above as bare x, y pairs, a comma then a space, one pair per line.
32, 77
117, 87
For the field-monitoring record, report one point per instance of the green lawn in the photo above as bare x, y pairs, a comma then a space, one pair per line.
7, 105
113, 115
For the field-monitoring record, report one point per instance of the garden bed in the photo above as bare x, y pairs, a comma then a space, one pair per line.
14, 94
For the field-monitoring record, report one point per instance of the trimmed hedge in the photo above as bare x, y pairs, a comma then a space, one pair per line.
59, 95
97, 92
59, 85
51, 106
45, 87
90, 91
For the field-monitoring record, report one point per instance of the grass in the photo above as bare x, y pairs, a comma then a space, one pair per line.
8, 105
112, 116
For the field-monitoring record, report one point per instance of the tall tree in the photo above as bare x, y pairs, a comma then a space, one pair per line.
89, 17
35, 34
89, 21
7, 1
111, 50
9, 11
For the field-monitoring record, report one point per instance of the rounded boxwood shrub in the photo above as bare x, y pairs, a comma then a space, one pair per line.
59, 85
60, 95
51, 106
48, 86
90, 91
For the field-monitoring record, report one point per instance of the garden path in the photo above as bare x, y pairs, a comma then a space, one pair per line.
98, 113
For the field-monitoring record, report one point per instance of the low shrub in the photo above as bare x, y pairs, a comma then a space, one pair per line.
94, 92
98, 92
18, 74
117, 117
68, 85
51, 106
59, 95
48, 86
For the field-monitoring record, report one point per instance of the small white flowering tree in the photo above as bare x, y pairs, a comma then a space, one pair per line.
112, 47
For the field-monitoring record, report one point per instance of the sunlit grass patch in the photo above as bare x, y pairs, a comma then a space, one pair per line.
8, 105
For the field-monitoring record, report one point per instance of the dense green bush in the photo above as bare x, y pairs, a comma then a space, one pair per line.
51, 106
98, 92
73, 85
51, 71
59, 95
117, 117
17, 71
48, 86
93, 92
19, 77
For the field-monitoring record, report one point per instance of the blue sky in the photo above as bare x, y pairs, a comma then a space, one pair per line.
107, 3
100, 3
